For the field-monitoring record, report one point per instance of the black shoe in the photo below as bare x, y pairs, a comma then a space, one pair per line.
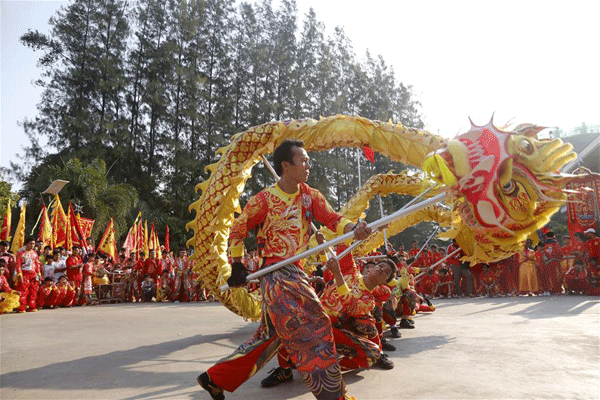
384, 362
395, 332
427, 301
276, 376
386, 346
405, 324
207, 384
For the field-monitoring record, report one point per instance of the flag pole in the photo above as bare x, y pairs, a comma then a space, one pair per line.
437, 228
437, 263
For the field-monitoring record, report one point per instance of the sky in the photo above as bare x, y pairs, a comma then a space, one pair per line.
521, 61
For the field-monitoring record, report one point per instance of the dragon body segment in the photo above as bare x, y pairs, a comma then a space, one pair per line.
501, 187
220, 193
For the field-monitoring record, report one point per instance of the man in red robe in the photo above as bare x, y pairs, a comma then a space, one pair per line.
550, 271
28, 276
75, 271
292, 315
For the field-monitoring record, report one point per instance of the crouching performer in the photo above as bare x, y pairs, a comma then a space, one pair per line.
350, 301
292, 315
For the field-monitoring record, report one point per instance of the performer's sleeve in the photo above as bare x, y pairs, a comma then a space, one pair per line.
325, 214
253, 214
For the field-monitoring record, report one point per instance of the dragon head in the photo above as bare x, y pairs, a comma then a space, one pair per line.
504, 185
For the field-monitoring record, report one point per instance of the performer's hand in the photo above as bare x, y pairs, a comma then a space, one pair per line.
320, 237
238, 275
333, 266
361, 231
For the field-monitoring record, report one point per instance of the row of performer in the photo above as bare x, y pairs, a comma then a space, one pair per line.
34, 279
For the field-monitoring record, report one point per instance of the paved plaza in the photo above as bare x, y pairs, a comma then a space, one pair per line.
501, 348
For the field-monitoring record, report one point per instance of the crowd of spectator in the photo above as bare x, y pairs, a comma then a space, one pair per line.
41, 277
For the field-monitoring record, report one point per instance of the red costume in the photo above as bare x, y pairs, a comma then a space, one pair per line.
427, 284
593, 248
9, 271
550, 269
75, 272
292, 313
152, 268
66, 294
47, 296
28, 277
488, 282
576, 280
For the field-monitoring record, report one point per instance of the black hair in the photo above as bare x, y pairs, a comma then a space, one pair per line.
283, 152
2, 261
4, 243
48, 279
394, 270
29, 239
390, 262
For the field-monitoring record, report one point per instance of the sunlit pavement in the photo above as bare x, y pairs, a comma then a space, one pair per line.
500, 348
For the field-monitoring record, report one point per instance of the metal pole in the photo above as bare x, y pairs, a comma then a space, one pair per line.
385, 230
368, 258
438, 263
437, 228
340, 239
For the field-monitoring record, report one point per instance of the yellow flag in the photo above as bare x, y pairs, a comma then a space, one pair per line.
146, 248
60, 225
45, 228
108, 244
19, 238
154, 243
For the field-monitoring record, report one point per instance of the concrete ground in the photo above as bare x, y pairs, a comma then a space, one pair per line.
501, 348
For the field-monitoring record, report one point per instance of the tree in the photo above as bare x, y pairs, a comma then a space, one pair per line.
154, 88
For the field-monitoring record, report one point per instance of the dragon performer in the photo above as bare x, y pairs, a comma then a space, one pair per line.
515, 174
501, 187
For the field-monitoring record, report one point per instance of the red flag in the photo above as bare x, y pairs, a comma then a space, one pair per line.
167, 247
369, 153
86, 225
139, 237
6, 222
131, 241
76, 234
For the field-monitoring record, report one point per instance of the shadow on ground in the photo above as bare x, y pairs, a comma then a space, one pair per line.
81, 374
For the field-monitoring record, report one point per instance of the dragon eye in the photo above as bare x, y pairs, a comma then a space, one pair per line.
509, 188
526, 147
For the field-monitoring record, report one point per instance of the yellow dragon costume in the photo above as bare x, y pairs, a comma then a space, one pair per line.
502, 186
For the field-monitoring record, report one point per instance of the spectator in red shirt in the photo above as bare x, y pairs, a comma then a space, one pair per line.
593, 244
576, 279
75, 271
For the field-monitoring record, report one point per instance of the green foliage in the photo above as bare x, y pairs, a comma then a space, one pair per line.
153, 88
88, 187
6, 195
